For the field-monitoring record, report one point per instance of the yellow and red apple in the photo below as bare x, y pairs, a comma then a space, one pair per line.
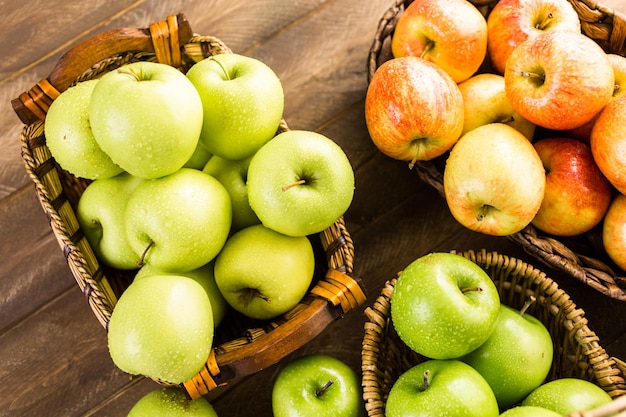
511, 22
559, 80
449, 33
413, 109
485, 101
608, 142
614, 231
494, 180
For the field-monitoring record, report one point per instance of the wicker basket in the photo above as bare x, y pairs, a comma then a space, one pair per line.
577, 351
582, 257
241, 346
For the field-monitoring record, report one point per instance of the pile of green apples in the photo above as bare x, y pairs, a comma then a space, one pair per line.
196, 187
482, 358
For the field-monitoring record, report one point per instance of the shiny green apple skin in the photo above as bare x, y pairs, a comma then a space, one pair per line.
100, 213
300, 183
529, 411
454, 389
70, 138
301, 390
516, 358
147, 117
566, 395
243, 104
162, 328
444, 305
262, 273
171, 402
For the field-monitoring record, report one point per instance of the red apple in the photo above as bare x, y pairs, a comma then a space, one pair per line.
413, 109
511, 22
485, 101
559, 80
608, 142
494, 180
614, 231
450, 33
577, 194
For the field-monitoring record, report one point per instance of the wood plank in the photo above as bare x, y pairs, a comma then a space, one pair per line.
34, 269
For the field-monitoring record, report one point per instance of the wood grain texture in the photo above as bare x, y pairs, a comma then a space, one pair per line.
54, 359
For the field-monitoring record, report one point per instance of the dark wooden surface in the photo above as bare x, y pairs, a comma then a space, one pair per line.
53, 355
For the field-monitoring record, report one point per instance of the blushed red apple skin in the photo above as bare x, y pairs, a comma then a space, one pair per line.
413, 109
511, 22
578, 79
577, 194
449, 33
608, 142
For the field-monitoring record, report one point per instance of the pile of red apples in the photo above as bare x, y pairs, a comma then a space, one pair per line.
528, 113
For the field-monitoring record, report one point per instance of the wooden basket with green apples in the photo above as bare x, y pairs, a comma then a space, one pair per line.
554, 343
583, 247
241, 344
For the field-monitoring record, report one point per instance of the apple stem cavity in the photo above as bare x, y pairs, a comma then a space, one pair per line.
485, 209
226, 74
468, 289
319, 392
142, 259
527, 304
124, 70
544, 23
247, 295
299, 182
535, 77
426, 380
430, 44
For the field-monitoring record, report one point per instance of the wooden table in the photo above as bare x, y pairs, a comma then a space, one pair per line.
53, 354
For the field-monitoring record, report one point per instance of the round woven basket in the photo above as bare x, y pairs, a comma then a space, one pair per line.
577, 351
582, 257
242, 346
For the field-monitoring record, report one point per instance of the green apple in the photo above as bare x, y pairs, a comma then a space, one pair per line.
317, 385
516, 358
441, 387
233, 176
199, 158
444, 305
204, 276
300, 183
262, 273
566, 395
243, 103
162, 328
69, 136
100, 213
178, 222
529, 411
171, 402
147, 117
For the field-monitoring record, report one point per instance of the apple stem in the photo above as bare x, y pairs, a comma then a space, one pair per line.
223, 69
527, 304
319, 392
123, 70
299, 182
468, 289
534, 75
545, 22
430, 44
426, 377
508, 119
141, 260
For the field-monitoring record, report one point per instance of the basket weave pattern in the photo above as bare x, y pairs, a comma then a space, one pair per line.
577, 352
242, 346
583, 257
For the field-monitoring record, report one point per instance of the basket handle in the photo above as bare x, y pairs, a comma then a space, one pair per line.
334, 296
163, 38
